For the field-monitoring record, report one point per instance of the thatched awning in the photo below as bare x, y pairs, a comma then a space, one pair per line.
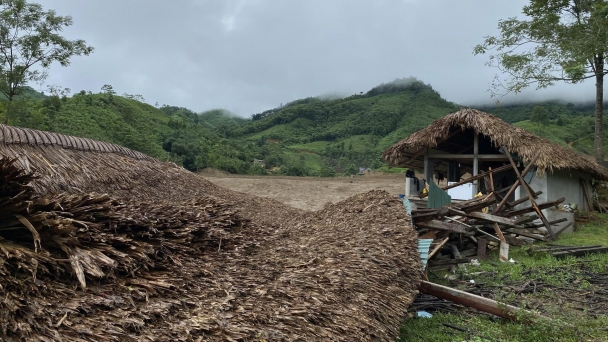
10, 135
408, 152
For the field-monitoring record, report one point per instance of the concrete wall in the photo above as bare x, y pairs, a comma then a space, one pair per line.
560, 183
565, 183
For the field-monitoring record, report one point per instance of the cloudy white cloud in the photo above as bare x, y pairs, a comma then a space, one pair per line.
250, 55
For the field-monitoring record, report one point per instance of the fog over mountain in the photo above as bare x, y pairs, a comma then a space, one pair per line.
247, 56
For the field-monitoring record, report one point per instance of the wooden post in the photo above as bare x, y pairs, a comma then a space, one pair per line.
427, 166
530, 196
475, 162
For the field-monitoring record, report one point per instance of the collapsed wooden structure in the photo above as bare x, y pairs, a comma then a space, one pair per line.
518, 180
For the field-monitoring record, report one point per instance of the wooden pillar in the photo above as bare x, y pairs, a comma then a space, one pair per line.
475, 162
429, 165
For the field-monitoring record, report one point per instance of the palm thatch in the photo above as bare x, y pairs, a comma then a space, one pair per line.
500, 133
157, 253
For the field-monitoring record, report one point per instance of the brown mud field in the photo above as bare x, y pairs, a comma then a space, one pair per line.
307, 193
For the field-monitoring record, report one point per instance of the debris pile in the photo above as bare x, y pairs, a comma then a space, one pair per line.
79, 266
487, 220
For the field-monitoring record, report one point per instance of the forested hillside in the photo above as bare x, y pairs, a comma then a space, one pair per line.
167, 133
311, 136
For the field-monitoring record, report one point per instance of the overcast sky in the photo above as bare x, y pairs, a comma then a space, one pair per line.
247, 56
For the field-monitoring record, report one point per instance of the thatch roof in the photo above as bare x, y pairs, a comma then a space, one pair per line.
167, 256
519, 141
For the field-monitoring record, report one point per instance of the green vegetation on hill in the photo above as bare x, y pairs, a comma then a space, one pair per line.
307, 137
567, 124
169, 133
346, 133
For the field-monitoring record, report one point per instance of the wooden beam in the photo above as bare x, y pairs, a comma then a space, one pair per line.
436, 224
580, 252
530, 209
516, 184
528, 235
561, 249
433, 263
525, 219
471, 300
530, 196
523, 199
491, 218
437, 248
491, 157
469, 180
554, 222
422, 150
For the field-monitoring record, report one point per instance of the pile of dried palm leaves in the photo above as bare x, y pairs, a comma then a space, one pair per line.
91, 267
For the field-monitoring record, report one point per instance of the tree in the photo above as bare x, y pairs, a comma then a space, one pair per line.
30, 43
568, 42
540, 115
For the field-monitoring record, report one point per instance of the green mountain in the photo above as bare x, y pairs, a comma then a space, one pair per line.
321, 137
311, 136
167, 133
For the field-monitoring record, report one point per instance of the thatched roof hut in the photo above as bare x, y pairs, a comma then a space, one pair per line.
454, 134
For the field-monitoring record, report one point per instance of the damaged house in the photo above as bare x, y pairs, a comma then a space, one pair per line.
469, 143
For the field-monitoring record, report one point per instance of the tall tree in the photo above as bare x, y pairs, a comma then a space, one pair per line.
30, 42
566, 40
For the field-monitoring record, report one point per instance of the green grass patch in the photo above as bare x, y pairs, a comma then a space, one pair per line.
484, 328
565, 287
594, 232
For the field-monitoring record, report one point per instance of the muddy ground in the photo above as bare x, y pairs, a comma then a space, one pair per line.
308, 193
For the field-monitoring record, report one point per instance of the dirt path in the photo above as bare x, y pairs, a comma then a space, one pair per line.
308, 193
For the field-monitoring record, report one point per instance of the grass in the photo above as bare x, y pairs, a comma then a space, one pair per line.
568, 322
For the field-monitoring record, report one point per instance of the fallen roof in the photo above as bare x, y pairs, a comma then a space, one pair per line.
169, 256
517, 140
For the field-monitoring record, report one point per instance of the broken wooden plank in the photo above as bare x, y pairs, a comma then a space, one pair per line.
530, 209
483, 203
491, 218
517, 182
487, 234
523, 199
438, 247
554, 222
433, 263
529, 193
565, 248
436, 224
525, 219
580, 252
528, 235
439, 212
474, 301
529, 230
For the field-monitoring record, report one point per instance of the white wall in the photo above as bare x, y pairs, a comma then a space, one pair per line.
555, 185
